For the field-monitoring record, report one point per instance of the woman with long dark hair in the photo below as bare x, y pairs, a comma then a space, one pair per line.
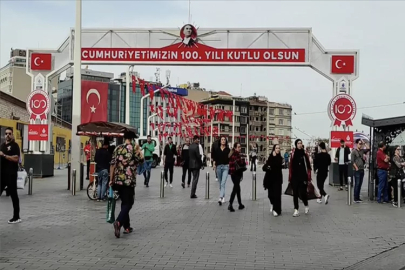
300, 169
253, 155
221, 166
273, 180
237, 166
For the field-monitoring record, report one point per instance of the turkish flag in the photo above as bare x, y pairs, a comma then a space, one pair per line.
94, 101
342, 64
41, 61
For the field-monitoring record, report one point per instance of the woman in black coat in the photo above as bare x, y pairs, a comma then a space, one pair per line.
273, 180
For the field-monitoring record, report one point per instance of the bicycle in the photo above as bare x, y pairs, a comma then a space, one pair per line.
92, 189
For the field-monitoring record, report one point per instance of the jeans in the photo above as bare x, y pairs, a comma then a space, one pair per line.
10, 181
382, 185
183, 177
222, 174
358, 182
320, 182
253, 164
196, 175
236, 178
102, 184
127, 196
148, 168
168, 168
343, 174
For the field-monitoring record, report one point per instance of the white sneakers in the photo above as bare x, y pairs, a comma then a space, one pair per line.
165, 184
171, 185
296, 213
223, 200
275, 213
326, 199
271, 208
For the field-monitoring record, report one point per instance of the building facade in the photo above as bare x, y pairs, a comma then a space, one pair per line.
258, 125
241, 120
280, 125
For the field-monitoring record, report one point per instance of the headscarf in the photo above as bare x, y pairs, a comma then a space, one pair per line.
298, 153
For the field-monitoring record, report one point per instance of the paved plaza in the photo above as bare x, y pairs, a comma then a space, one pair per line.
61, 231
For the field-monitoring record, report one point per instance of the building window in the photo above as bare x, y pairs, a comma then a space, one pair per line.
280, 122
281, 132
243, 130
271, 111
243, 109
242, 140
243, 120
281, 111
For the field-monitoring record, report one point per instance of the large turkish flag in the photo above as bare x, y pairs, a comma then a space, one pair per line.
94, 101
342, 64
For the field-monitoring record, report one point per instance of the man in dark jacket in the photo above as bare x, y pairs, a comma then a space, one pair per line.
185, 158
169, 155
195, 163
342, 157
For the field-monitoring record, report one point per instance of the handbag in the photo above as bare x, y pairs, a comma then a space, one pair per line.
240, 168
22, 179
306, 168
266, 167
110, 207
312, 192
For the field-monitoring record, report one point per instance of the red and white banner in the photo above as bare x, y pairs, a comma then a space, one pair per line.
94, 101
342, 64
38, 105
336, 136
342, 109
196, 53
38, 133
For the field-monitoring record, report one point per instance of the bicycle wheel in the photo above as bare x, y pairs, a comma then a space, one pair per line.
92, 191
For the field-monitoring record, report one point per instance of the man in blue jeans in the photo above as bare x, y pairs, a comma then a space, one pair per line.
383, 166
358, 168
148, 149
102, 159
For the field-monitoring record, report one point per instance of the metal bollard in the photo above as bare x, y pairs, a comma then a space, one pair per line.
69, 175
207, 185
162, 184
254, 186
73, 185
349, 191
399, 183
81, 176
30, 180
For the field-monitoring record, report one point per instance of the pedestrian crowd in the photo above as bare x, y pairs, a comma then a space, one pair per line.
117, 168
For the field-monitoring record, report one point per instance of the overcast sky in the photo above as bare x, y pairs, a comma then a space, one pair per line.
376, 28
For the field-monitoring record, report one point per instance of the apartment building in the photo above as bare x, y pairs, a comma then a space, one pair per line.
258, 124
14, 80
280, 125
241, 116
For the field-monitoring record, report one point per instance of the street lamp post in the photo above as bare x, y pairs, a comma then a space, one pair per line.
77, 86
148, 127
141, 114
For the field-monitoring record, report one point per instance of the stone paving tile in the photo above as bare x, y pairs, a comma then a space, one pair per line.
60, 231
